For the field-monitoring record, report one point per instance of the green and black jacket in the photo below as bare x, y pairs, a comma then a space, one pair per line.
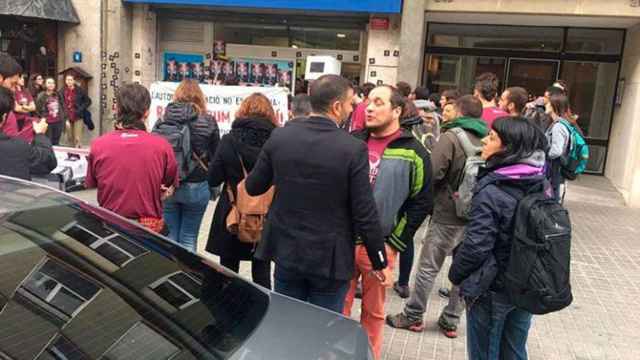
403, 188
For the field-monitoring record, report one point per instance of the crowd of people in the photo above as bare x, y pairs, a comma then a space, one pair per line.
356, 172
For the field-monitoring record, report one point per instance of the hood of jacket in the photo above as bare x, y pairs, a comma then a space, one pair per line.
477, 126
252, 132
182, 113
409, 122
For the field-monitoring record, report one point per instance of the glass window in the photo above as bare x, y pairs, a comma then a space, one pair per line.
283, 36
179, 290
60, 287
252, 34
592, 87
105, 242
63, 349
595, 41
451, 71
495, 37
141, 343
325, 38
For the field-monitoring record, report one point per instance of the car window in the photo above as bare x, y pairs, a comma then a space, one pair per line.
78, 282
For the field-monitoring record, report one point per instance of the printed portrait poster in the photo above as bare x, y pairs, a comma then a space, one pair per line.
198, 72
267, 72
216, 70
257, 73
228, 69
242, 71
219, 49
271, 74
178, 66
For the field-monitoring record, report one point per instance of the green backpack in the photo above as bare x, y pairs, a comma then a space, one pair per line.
578, 155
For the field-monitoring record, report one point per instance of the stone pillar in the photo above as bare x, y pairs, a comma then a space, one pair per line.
83, 38
143, 42
623, 160
382, 47
412, 39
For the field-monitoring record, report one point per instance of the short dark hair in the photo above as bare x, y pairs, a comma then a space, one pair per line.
396, 98
451, 95
518, 96
469, 106
366, 88
560, 105
7, 101
554, 90
326, 90
520, 139
301, 105
435, 98
421, 92
404, 88
133, 100
9, 66
487, 85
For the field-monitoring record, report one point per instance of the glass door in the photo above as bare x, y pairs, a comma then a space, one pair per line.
532, 74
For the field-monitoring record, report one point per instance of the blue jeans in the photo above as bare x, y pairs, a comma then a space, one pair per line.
497, 330
326, 293
183, 213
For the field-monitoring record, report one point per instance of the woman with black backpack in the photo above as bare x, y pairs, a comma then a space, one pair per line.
183, 212
514, 152
255, 120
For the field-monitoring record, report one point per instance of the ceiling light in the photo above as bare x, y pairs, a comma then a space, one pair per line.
341, 36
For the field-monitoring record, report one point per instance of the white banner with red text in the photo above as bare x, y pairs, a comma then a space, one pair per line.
222, 101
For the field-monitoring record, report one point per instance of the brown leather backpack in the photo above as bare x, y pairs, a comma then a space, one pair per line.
248, 213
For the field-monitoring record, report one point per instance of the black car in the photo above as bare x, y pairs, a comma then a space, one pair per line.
79, 282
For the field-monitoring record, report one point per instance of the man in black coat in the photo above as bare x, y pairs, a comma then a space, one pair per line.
18, 158
323, 201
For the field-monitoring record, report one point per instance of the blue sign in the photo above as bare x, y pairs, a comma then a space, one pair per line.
364, 6
77, 57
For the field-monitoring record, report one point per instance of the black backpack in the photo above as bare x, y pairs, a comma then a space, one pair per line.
179, 136
537, 278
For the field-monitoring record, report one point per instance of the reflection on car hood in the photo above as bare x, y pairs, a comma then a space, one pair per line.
293, 330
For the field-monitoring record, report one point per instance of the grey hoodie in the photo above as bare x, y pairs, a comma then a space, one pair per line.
558, 138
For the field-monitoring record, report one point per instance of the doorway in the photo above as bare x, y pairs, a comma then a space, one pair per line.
532, 74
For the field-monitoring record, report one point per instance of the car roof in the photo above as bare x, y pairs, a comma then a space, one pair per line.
75, 276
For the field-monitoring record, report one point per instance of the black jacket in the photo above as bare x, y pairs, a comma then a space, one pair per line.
205, 134
247, 137
480, 261
21, 160
83, 101
323, 197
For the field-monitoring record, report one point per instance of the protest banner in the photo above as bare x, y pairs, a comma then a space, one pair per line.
222, 101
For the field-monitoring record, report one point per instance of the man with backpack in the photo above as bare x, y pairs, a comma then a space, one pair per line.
454, 161
132, 169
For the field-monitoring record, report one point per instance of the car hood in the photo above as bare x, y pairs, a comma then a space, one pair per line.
293, 330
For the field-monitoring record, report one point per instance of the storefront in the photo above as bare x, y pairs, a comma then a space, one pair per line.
30, 33
588, 59
262, 43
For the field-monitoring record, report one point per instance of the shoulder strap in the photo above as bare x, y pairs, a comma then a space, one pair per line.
465, 142
233, 145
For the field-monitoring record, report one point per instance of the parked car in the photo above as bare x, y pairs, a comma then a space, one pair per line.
79, 282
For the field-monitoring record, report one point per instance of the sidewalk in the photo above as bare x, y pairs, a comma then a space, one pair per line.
602, 323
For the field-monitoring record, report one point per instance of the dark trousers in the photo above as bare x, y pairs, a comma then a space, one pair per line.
260, 270
326, 293
406, 262
54, 132
497, 330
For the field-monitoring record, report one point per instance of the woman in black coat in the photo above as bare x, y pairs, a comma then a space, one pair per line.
255, 120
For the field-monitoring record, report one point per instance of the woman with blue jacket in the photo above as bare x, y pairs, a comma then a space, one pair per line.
515, 154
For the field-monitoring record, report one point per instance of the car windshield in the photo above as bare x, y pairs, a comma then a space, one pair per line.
77, 282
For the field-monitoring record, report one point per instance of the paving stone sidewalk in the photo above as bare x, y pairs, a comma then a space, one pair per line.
603, 323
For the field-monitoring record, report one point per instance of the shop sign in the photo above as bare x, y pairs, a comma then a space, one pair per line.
222, 101
378, 23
